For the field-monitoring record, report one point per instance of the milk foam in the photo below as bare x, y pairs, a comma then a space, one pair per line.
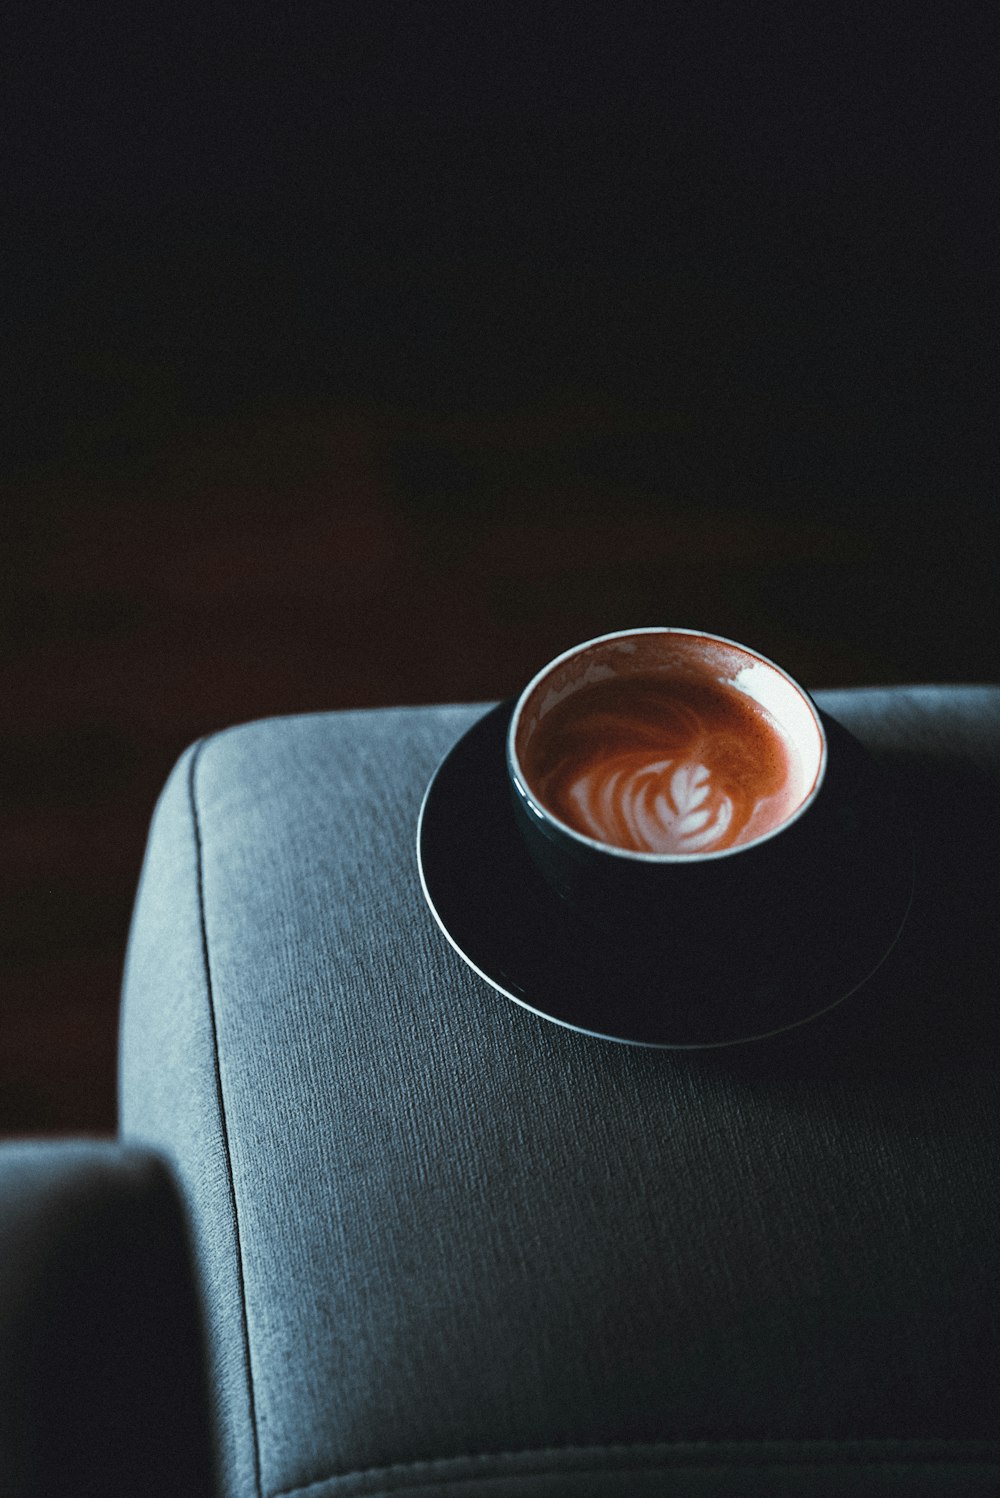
662, 804
665, 807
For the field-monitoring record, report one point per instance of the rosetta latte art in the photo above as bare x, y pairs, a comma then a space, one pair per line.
663, 766
658, 808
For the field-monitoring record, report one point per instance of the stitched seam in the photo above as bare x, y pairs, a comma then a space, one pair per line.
877, 1452
220, 1099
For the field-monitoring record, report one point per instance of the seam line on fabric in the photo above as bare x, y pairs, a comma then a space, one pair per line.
886, 1451
221, 1102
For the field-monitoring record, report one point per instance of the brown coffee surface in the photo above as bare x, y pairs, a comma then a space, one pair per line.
678, 764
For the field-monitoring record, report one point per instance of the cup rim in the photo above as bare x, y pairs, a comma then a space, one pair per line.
541, 814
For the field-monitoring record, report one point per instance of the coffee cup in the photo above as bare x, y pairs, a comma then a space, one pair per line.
667, 775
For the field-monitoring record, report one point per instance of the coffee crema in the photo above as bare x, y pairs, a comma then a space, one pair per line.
667, 763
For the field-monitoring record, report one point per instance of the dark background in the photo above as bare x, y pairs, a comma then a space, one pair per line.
360, 355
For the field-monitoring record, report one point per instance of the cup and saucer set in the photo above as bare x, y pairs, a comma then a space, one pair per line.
664, 842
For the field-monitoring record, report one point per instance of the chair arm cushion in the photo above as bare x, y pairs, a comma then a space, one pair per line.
449, 1247
102, 1388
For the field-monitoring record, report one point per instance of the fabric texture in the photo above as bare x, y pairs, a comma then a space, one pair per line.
446, 1246
102, 1379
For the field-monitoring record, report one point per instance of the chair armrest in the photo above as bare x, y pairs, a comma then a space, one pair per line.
102, 1389
448, 1247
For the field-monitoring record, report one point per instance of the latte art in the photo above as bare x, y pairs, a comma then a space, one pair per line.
659, 808
675, 765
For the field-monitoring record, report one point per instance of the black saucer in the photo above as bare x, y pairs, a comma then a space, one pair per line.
827, 932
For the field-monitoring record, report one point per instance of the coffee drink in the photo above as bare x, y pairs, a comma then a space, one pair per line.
664, 764
667, 743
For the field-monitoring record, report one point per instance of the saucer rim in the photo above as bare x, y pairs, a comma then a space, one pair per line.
506, 707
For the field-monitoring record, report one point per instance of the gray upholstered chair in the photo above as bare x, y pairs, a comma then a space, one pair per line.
444, 1247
